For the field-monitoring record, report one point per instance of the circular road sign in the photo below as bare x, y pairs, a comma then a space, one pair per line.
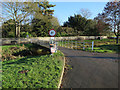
52, 32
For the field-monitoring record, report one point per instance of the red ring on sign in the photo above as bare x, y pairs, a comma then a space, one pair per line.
49, 32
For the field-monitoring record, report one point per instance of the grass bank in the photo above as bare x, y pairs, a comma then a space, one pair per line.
41, 71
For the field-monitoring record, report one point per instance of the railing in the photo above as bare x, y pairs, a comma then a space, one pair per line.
76, 44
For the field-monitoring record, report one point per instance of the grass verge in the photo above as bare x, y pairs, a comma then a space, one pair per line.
33, 72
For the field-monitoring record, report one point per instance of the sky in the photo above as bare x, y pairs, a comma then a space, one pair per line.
63, 10
67, 8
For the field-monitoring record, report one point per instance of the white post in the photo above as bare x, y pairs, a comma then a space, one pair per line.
92, 45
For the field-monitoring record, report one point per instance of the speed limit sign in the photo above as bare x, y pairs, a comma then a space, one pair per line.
52, 32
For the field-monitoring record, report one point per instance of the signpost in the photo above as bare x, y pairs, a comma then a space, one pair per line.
53, 47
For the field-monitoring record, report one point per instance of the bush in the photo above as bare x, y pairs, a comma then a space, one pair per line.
24, 34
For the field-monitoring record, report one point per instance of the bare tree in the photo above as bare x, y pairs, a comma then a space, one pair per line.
85, 12
15, 11
111, 15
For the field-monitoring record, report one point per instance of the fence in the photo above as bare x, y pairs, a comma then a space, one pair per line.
76, 44
8, 40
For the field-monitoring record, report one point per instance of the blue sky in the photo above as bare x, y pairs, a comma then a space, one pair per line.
63, 10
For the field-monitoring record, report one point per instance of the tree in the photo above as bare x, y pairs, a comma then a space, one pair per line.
77, 22
41, 27
111, 15
55, 21
39, 9
81, 25
8, 29
90, 29
101, 26
85, 13
13, 10
45, 8
22, 11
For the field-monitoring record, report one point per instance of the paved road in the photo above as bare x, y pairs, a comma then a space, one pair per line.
90, 70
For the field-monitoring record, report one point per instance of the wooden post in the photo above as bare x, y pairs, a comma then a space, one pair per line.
68, 43
65, 43
71, 44
60, 43
83, 45
76, 45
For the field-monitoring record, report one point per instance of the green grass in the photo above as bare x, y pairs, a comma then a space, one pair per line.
100, 50
9, 46
43, 72
18, 51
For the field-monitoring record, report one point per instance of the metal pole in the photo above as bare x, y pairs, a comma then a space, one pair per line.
92, 45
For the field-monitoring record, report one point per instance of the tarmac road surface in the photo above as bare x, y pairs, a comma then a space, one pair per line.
90, 70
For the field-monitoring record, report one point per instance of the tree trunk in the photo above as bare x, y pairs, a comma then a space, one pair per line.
16, 30
19, 33
117, 39
19, 30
